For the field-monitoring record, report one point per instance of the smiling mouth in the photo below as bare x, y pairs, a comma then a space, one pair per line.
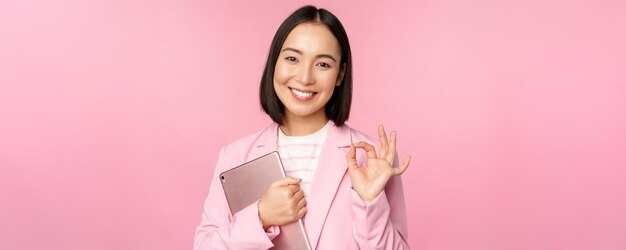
304, 95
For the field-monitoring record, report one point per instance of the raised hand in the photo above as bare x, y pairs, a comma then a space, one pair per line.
369, 181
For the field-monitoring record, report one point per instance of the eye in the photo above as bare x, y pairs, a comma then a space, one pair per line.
324, 65
291, 59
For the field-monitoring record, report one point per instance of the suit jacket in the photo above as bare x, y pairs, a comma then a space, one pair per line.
336, 219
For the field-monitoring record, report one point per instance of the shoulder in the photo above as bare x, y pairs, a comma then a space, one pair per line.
237, 150
242, 142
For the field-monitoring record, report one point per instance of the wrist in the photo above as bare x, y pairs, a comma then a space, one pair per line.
265, 227
365, 198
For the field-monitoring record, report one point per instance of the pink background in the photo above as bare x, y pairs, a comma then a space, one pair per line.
112, 113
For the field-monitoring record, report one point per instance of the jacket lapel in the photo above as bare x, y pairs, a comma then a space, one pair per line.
331, 169
266, 142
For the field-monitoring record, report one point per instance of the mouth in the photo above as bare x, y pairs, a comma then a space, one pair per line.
302, 95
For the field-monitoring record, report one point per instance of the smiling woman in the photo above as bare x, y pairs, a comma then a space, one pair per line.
345, 200
307, 74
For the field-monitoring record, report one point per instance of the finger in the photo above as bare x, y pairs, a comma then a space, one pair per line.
351, 157
298, 195
287, 181
293, 189
301, 203
382, 138
405, 164
302, 212
392, 148
369, 149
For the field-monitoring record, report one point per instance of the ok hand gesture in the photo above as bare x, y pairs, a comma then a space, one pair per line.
369, 181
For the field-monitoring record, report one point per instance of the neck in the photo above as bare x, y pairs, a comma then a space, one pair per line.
299, 126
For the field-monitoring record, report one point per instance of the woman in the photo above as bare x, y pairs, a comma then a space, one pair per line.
350, 201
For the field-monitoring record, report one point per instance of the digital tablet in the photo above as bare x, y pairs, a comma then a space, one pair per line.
246, 184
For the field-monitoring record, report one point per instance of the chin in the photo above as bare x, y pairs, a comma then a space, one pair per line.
302, 113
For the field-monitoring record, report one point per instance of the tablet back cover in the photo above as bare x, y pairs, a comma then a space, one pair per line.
246, 184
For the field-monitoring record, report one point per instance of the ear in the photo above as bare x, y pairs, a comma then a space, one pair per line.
341, 74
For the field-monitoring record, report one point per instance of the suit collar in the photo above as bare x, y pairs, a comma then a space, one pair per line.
265, 142
268, 139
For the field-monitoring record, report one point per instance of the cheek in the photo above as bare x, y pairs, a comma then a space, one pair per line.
281, 73
328, 79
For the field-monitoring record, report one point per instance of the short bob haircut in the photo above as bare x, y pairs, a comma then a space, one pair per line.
338, 106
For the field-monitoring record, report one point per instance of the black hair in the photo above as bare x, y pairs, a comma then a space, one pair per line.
338, 106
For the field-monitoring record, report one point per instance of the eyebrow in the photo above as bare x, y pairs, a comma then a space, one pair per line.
318, 56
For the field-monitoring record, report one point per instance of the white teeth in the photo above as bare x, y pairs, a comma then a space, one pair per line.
302, 94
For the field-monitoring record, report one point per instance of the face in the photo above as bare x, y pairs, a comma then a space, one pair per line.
308, 70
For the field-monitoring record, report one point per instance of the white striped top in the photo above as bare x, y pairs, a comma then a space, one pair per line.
300, 155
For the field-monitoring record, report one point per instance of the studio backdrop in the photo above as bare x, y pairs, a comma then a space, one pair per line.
112, 114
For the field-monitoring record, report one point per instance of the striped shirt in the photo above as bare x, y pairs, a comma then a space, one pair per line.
300, 155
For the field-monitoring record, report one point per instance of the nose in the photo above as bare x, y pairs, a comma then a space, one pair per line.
305, 75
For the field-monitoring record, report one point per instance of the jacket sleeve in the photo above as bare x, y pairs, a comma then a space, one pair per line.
219, 229
381, 223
